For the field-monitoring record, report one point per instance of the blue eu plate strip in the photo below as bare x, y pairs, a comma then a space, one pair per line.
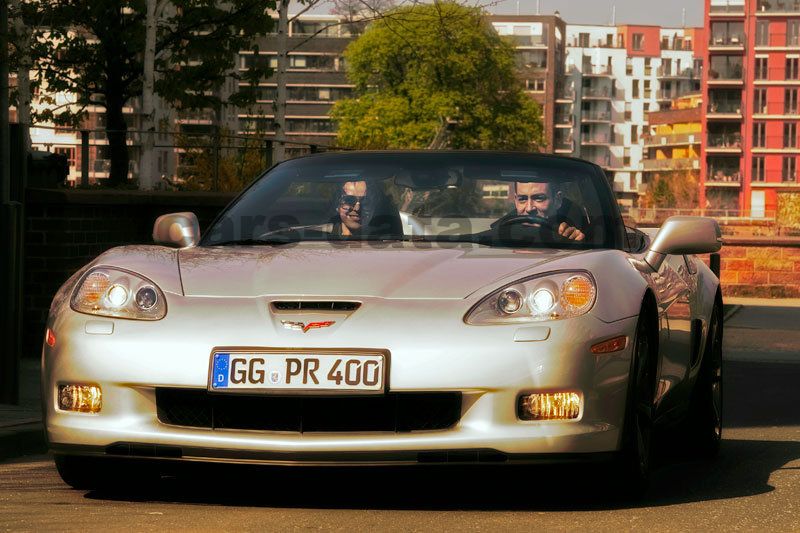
220, 373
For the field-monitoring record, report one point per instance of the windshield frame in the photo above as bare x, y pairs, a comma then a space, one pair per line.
615, 237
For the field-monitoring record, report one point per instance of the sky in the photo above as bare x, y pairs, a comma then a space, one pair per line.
653, 12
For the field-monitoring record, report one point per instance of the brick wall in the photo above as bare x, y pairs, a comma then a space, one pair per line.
65, 229
762, 267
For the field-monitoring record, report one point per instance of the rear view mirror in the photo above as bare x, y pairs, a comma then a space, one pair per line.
682, 235
178, 230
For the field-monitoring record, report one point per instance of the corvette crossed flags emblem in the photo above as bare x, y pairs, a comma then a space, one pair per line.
301, 326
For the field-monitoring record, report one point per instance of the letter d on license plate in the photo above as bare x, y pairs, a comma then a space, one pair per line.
305, 372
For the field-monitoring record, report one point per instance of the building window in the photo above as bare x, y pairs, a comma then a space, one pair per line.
609, 40
759, 134
790, 101
638, 41
762, 33
635, 92
583, 40
760, 102
789, 168
793, 32
761, 68
792, 68
634, 134
648, 68
627, 111
758, 168
628, 66
626, 157
647, 89
789, 135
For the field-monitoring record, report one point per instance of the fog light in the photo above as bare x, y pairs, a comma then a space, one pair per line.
550, 406
81, 398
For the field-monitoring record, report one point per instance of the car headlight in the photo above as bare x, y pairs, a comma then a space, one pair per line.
114, 292
551, 296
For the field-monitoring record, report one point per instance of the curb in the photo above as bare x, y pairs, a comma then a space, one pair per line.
22, 439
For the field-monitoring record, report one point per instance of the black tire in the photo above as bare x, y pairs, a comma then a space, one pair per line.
637, 433
703, 425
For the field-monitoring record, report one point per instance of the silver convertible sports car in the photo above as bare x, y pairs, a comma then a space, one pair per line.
387, 308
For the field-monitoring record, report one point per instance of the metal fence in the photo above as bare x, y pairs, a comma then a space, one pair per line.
194, 157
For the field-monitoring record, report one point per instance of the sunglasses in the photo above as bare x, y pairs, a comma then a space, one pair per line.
523, 198
350, 200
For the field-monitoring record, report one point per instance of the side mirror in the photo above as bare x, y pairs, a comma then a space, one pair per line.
179, 230
684, 235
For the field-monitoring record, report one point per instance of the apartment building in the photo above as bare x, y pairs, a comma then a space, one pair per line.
315, 79
539, 44
615, 76
751, 89
673, 143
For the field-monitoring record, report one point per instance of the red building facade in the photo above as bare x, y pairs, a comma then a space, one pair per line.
751, 85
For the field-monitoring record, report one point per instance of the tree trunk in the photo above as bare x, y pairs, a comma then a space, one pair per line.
147, 169
116, 132
280, 80
23, 46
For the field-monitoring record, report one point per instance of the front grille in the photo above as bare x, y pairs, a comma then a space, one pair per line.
398, 412
316, 306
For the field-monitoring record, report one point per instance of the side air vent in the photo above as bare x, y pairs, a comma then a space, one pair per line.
315, 306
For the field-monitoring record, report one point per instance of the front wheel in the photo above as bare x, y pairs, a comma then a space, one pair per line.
703, 425
637, 435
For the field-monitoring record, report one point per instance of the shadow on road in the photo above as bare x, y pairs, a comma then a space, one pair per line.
743, 469
761, 394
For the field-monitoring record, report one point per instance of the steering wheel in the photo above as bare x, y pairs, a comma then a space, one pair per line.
528, 219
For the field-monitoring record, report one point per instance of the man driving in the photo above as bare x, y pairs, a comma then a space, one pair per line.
540, 199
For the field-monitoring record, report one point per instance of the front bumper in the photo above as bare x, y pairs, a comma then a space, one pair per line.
431, 350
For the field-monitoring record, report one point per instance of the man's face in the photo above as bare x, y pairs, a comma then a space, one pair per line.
535, 199
353, 194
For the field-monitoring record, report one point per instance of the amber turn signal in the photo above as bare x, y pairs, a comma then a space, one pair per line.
611, 345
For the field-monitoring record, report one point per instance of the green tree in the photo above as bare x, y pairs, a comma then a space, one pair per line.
434, 76
93, 50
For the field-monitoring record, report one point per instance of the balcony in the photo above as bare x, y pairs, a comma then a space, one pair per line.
724, 177
601, 161
725, 109
596, 116
562, 120
563, 144
671, 164
566, 95
727, 42
729, 9
671, 139
596, 139
727, 75
600, 71
777, 7
724, 143
687, 73
530, 41
599, 93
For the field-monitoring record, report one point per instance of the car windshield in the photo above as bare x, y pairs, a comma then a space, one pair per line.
494, 199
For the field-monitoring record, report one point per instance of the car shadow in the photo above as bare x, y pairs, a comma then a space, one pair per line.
743, 468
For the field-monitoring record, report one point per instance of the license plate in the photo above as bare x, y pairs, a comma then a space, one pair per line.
277, 372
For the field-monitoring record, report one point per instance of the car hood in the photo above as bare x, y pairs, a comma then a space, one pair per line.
396, 270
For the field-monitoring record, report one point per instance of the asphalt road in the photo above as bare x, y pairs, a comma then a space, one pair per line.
754, 484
